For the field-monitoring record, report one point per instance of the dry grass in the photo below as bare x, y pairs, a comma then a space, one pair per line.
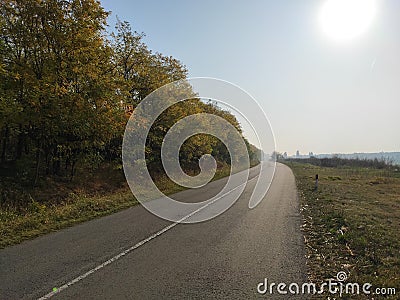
351, 224
69, 204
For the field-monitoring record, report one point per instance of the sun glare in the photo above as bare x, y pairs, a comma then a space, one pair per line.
343, 20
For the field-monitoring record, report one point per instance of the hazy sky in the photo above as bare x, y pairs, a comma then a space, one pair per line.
320, 94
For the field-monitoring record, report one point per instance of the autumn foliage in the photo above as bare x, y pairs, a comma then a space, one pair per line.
68, 87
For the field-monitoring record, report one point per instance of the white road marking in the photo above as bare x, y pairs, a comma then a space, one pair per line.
141, 243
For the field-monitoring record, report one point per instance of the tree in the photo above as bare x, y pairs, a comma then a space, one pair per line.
276, 156
65, 84
58, 81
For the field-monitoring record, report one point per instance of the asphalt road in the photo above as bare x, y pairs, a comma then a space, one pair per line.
136, 255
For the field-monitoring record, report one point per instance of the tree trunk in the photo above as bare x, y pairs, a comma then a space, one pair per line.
4, 148
20, 144
72, 169
38, 157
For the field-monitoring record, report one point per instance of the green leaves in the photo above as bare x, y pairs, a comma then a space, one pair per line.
56, 83
65, 86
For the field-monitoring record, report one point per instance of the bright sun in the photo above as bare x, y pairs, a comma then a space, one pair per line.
344, 20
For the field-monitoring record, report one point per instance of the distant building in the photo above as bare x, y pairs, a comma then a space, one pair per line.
285, 155
297, 153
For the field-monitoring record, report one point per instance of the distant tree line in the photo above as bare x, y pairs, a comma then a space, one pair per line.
335, 162
67, 87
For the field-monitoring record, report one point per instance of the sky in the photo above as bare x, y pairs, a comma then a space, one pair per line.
321, 94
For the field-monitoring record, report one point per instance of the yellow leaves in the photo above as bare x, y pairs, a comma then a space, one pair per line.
60, 91
17, 76
69, 81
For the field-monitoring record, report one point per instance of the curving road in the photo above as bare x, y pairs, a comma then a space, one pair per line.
136, 255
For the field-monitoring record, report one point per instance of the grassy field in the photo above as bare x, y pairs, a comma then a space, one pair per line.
351, 224
58, 205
